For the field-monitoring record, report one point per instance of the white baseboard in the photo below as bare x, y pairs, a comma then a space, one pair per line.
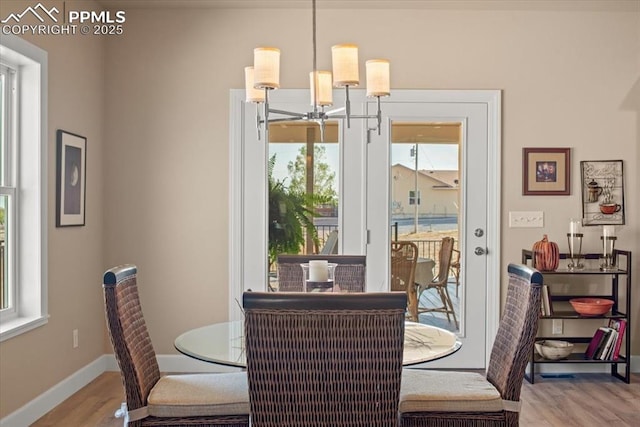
35, 409
57, 394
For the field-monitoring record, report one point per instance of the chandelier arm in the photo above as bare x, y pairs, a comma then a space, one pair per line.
334, 111
285, 119
286, 113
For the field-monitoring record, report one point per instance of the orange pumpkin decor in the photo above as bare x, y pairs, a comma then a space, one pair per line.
547, 255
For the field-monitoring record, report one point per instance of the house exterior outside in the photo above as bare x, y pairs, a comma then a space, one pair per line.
438, 192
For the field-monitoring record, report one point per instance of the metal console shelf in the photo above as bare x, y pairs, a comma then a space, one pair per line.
618, 311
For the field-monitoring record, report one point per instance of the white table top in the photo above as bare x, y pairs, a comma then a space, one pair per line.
222, 343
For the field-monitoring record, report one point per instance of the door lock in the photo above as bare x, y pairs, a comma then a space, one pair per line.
479, 232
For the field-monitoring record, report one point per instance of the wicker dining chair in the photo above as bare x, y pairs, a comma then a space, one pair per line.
440, 283
324, 359
350, 273
446, 398
404, 257
170, 400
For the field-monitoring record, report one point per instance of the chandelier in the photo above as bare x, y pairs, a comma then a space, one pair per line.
264, 76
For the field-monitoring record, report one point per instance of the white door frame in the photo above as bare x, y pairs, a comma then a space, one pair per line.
247, 237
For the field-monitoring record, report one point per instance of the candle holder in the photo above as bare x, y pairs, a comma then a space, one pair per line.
608, 246
574, 238
318, 276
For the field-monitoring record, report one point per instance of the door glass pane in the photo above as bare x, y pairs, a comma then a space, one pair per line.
303, 187
3, 127
425, 195
4, 279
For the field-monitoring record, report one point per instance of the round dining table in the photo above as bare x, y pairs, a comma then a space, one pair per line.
223, 343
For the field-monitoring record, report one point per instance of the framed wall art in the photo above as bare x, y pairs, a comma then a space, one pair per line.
546, 171
602, 192
71, 174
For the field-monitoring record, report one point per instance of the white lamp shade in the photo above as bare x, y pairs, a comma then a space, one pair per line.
345, 65
266, 64
252, 94
324, 95
378, 77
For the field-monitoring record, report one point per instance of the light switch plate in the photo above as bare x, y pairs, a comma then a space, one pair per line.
526, 219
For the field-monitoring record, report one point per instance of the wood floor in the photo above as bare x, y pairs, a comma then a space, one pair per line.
583, 401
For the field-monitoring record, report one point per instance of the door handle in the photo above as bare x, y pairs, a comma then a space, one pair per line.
479, 251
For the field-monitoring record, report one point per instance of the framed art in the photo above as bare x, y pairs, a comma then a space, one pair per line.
546, 171
602, 186
71, 174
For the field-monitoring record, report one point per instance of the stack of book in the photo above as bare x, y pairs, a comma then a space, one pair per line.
606, 341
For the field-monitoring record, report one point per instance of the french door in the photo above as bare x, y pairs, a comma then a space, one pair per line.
364, 213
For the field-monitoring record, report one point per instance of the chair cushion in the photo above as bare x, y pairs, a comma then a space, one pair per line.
200, 395
447, 391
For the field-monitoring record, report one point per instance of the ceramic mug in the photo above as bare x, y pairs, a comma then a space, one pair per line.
610, 208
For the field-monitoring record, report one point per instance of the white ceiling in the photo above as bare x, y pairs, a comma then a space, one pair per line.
570, 5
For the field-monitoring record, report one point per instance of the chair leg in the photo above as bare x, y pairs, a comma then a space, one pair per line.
451, 309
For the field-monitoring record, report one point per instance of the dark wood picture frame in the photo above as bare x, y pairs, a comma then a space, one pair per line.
602, 185
546, 171
71, 178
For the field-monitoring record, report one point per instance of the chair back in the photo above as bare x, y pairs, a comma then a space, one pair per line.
444, 260
350, 273
129, 336
517, 330
331, 244
404, 256
324, 359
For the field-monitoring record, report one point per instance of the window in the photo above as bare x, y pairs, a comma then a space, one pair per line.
412, 197
23, 184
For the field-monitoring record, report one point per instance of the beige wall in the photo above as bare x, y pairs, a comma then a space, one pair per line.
569, 78
35, 361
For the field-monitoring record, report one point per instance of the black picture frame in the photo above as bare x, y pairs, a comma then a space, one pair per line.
71, 178
602, 185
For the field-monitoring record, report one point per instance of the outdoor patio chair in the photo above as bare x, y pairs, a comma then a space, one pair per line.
404, 256
170, 400
446, 398
324, 359
350, 273
440, 282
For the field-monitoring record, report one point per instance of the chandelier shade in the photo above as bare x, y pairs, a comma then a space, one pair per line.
252, 94
378, 77
345, 65
323, 95
266, 65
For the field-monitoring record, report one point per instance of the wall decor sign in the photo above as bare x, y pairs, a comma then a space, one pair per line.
602, 192
71, 174
546, 171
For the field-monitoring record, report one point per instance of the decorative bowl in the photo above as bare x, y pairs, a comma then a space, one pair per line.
554, 350
591, 306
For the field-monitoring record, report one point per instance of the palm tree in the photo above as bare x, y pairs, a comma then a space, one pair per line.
291, 216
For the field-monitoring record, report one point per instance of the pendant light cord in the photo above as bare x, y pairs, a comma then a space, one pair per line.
315, 66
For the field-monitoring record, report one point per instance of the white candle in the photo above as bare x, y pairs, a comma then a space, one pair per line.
608, 230
574, 227
318, 271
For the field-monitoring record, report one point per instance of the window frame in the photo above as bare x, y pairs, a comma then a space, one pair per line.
26, 183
